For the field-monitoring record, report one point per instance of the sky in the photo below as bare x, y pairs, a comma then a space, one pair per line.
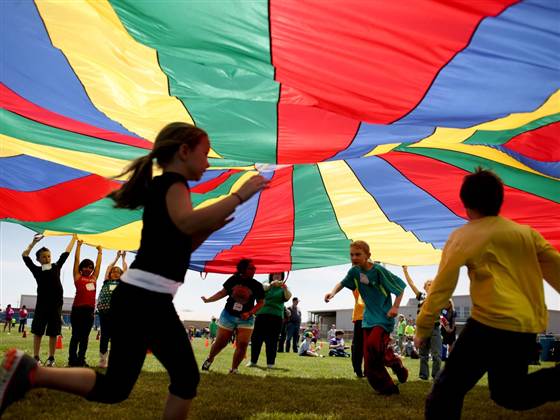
310, 286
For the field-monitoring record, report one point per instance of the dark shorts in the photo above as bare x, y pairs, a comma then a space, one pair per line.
47, 322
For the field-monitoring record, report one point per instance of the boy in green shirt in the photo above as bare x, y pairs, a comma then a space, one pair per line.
375, 285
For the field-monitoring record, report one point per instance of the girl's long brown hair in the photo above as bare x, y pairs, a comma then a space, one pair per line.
133, 193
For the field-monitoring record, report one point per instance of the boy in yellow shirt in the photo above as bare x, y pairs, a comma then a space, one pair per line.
506, 263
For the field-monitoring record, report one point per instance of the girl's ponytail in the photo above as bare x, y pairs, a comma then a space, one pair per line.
133, 193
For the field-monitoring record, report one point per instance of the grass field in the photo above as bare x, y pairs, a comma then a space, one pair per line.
300, 388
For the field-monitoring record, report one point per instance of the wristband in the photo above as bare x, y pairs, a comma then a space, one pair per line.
238, 196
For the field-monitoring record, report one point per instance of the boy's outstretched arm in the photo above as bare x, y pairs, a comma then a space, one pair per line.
27, 250
337, 288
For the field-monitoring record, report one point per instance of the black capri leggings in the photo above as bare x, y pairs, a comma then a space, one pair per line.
164, 334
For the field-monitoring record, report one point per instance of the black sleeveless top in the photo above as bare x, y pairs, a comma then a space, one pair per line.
164, 249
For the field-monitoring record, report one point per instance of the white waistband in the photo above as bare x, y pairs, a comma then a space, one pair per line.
150, 281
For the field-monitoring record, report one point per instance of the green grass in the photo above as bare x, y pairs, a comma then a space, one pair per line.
300, 388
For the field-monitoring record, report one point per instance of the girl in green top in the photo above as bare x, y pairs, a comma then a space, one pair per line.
268, 322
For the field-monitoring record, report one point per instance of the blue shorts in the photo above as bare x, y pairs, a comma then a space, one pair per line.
230, 322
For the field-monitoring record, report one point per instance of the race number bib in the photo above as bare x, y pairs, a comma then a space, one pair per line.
237, 307
90, 287
364, 279
112, 287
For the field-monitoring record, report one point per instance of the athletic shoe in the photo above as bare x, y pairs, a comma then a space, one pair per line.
37, 360
271, 366
206, 365
251, 364
50, 362
233, 371
16, 374
102, 360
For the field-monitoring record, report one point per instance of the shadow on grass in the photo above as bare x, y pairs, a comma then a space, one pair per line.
264, 398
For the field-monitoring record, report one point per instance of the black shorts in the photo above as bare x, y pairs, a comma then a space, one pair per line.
47, 320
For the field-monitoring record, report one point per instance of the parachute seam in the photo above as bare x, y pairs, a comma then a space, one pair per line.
73, 131
77, 77
274, 78
383, 210
349, 144
330, 202
418, 186
468, 43
169, 87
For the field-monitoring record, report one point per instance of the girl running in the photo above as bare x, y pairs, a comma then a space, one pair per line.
171, 231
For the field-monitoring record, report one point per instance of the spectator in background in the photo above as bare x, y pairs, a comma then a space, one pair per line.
294, 324
448, 329
431, 345
409, 330
332, 332
213, 329
23, 314
401, 325
284, 330
268, 321
336, 345
8, 320
316, 333
306, 347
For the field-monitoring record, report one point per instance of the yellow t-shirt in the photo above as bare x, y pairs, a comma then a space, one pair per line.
506, 263
358, 312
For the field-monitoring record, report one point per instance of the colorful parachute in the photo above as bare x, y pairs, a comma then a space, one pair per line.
364, 115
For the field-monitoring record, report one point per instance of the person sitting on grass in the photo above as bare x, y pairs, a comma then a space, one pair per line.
83, 308
306, 346
506, 264
48, 308
112, 279
336, 345
375, 285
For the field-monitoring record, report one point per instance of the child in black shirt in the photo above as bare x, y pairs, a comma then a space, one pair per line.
239, 313
48, 309
171, 231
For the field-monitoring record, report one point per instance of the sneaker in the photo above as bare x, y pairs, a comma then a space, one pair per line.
206, 365
271, 366
50, 362
15, 377
233, 371
102, 360
37, 360
251, 364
